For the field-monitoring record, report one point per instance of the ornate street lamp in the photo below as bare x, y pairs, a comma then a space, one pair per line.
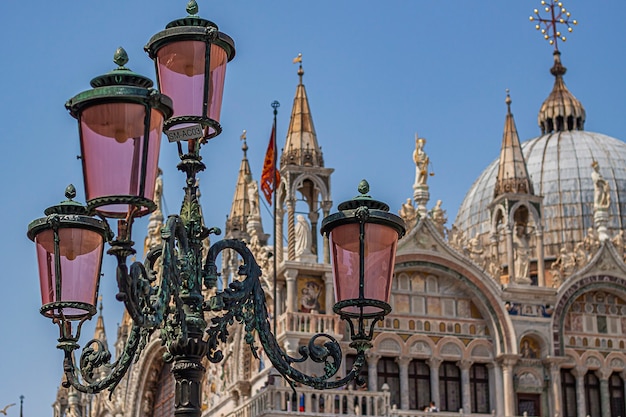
363, 239
69, 254
191, 56
120, 120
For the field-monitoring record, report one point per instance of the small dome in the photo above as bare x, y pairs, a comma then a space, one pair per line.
561, 111
559, 166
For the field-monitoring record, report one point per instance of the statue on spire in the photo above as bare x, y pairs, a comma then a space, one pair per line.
421, 161
421, 194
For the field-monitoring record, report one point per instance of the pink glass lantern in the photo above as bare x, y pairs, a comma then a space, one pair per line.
190, 57
363, 239
69, 255
120, 124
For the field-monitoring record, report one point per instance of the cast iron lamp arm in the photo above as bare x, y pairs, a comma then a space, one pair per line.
244, 302
92, 361
147, 303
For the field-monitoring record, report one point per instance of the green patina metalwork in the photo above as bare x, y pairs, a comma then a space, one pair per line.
172, 300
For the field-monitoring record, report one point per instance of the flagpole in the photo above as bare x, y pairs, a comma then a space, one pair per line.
275, 106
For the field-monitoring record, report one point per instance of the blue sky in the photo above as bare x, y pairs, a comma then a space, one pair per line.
375, 72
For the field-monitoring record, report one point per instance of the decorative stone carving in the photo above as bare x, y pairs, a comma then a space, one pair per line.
450, 349
593, 362
421, 348
390, 345
439, 217
456, 238
408, 213
528, 379
481, 351
475, 251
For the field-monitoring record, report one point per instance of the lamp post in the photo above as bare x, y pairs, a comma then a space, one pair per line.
120, 120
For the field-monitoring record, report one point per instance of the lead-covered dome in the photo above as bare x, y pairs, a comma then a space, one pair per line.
559, 166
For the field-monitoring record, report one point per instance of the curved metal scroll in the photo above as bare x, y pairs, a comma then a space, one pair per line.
94, 361
148, 304
244, 301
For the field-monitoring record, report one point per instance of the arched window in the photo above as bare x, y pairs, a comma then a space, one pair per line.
419, 385
164, 395
388, 372
449, 387
592, 395
479, 388
616, 392
568, 392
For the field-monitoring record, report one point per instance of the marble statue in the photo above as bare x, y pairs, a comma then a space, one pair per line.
421, 161
601, 195
522, 252
303, 236
253, 198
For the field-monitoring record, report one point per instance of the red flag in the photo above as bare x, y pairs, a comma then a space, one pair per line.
270, 175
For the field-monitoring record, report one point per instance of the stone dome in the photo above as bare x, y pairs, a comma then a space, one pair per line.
559, 166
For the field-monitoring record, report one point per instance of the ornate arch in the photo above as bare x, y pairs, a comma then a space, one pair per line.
570, 292
388, 339
144, 376
486, 296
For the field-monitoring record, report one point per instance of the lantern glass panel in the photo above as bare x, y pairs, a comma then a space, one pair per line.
379, 258
181, 67
80, 261
117, 160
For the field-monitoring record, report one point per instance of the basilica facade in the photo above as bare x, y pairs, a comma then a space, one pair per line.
517, 307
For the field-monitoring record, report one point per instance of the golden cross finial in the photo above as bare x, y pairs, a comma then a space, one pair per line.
557, 14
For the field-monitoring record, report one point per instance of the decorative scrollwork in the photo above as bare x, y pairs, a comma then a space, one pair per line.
244, 302
91, 359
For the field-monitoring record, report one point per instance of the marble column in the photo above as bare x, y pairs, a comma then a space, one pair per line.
541, 269
579, 372
326, 206
434, 364
372, 370
313, 218
605, 395
329, 298
507, 362
403, 365
278, 235
290, 278
495, 382
510, 259
291, 230
466, 396
555, 399
280, 298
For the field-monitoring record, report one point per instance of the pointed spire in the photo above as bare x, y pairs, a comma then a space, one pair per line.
301, 147
99, 333
561, 111
240, 209
512, 172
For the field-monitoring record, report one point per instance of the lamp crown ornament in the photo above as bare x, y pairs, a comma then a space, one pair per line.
120, 122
